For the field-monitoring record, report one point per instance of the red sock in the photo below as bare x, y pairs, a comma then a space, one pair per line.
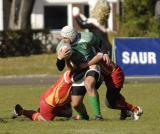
123, 105
129, 106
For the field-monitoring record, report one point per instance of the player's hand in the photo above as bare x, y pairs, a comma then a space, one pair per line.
106, 59
64, 54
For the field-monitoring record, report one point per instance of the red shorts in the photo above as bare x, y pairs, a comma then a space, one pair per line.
49, 112
115, 79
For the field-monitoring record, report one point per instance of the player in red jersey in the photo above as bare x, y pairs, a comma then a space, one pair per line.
53, 102
114, 79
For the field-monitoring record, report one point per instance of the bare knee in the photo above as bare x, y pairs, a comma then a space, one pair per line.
90, 84
38, 117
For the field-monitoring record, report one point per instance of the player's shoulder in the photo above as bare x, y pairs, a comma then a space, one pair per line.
87, 36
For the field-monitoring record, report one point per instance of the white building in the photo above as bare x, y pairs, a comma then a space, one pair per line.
56, 13
1, 15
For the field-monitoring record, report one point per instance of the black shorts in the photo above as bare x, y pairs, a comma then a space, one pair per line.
78, 87
81, 90
78, 75
78, 90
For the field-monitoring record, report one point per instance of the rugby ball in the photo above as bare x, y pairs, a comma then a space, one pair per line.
66, 46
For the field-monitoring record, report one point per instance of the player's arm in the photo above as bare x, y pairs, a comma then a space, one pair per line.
81, 19
60, 63
70, 65
97, 58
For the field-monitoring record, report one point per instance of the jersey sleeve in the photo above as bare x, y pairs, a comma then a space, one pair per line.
60, 63
95, 41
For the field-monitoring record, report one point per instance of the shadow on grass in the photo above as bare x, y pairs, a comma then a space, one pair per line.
58, 119
3, 121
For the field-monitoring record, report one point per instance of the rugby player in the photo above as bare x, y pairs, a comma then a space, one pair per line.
54, 102
84, 45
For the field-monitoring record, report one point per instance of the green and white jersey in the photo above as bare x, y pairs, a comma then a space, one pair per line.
83, 49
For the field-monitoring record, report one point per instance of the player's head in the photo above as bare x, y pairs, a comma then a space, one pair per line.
101, 12
69, 32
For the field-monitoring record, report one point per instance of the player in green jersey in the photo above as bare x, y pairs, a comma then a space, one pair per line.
84, 47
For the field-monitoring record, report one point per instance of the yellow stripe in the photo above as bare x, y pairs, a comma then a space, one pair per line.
61, 101
49, 99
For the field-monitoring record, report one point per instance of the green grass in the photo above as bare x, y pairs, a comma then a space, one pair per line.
35, 64
145, 95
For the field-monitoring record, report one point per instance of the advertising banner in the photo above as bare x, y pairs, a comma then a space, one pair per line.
138, 56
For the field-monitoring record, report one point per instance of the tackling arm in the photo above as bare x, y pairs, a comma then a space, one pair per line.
98, 57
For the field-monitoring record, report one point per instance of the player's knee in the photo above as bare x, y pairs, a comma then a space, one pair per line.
38, 117
90, 86
94, 75
90, 81
109, 103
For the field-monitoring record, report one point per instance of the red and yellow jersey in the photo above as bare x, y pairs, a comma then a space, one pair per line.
113, 75
59, 93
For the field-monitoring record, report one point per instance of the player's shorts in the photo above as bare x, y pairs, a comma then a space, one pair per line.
78, 87
49, 112
114, 83
115, 79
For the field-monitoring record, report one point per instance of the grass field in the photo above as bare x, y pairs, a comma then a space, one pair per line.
34, 64
145, 95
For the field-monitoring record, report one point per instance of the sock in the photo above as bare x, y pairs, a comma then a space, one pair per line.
82, 115
123, 105
95, 104
28, 113
129, 106
82, 112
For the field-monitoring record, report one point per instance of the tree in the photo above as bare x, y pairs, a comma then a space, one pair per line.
19, 16
139, 17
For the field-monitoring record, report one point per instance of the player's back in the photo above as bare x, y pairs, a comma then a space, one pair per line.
59, 93
83, 49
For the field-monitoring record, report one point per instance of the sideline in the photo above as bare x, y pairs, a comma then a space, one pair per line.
49, 79
28, 79
143, 79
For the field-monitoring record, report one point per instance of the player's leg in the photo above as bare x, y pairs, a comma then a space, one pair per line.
115, 100
63, 111
129, 109
19, 110
92, 76
77, 96
31, 114
45, 113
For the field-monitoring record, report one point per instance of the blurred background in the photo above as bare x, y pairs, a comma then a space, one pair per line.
31, 27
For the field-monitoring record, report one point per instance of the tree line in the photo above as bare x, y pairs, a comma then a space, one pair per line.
139, 19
